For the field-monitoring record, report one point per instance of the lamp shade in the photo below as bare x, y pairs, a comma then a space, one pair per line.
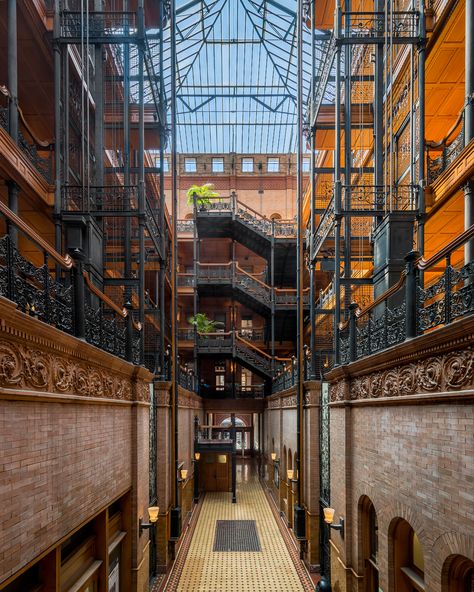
329, 515
290, 474
197, 455
184, 473
274, 455
153, 512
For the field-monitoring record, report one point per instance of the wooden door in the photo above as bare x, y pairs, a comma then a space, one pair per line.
222, 472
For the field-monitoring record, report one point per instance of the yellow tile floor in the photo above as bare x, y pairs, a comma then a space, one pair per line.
271, 570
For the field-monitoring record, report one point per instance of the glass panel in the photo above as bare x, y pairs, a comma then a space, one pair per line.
273, 165
418, 559
247, 165
190, 165
217, 165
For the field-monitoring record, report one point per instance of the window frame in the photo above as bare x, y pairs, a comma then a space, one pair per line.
187, 160
219, 159
273, 160
247, 161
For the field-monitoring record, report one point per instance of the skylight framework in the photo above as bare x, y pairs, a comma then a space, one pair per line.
236, 76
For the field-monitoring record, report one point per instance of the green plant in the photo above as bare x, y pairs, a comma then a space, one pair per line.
203, 324
201, 194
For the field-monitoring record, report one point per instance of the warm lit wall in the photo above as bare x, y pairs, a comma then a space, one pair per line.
74, 437
401, 434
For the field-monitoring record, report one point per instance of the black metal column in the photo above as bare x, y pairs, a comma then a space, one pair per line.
469, 123
299, 511
13, 103
421, 115
337, 187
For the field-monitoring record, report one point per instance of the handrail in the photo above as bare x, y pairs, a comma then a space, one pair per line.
237, 266
258, 214
453, 128
215, 264
64, 261
260, 351
457, 242
422, 265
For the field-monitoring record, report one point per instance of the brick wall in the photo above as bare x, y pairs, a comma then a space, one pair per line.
73, 436
411, 454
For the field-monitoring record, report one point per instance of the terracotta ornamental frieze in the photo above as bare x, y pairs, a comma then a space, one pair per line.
24, 367
453, 371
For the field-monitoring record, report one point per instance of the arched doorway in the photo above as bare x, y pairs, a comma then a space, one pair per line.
458, 574
368, 543
408, 558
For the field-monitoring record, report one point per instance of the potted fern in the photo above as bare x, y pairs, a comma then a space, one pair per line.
203, 324
201, 195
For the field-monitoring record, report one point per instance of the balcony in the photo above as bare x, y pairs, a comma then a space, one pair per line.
40, 159
430, 294
98, 27
59, 293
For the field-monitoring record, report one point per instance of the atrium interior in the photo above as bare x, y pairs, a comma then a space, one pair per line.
236, 295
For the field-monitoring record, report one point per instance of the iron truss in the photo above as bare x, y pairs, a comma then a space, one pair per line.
236, 75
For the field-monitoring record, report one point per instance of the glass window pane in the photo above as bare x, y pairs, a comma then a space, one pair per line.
190, 165
217, 165
306, 165
247, 165
273, 165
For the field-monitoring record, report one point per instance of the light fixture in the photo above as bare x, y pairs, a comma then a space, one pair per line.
329, 519
153, 512
184, 474
290, 474
197, 455
274, 455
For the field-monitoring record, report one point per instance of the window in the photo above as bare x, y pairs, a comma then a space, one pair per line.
217, 165
247, 165
409, 565
460, 574
166, 165
190, 165
273, 165
220, 382
246, 380
246, 327
369, 544
306, 165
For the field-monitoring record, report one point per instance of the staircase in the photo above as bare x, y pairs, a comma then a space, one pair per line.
227, 217
232, 345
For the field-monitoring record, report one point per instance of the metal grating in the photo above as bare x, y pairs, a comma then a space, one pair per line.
236, 535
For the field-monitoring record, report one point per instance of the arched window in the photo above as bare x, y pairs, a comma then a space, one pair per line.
275, 216
408, 558
368, 541
459, 576
189, 216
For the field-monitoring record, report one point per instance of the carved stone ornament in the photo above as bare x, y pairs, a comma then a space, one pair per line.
448, 372
337, 390
25, 367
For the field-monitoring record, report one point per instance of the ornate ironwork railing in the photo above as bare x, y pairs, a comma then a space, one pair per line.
185, 226
112, 198
248, 216
186, 279
109, 26
232, 273
60, 293
441, 154
366, 27
187, 379
430, 293
43, 164
379, 198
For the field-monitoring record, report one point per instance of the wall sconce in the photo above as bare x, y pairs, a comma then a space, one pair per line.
290, 473
197, 455
153, 512
329, 519
184, 474
274, 456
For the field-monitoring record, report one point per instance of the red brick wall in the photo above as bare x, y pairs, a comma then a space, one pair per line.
61, 463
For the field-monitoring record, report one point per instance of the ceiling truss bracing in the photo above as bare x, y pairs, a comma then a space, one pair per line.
236, 78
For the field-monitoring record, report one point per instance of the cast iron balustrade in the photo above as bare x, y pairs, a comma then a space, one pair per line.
187, 379
247, 216
98, 27
60, 293
185, 279
252, 334
43, 164
377, 198
285, 377
424, 298
97, 199
447, 150
375, 27
185, 226
232, 273
228, 391
186, 334
324, 228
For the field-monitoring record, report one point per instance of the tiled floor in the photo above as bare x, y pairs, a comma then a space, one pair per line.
271, 570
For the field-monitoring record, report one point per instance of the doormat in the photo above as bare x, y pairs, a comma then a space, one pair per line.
236, 535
